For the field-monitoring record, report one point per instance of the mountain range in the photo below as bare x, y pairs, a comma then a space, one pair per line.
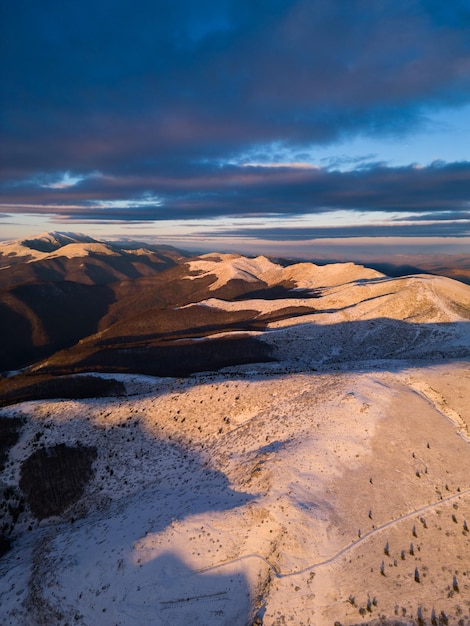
71, 303
220, 439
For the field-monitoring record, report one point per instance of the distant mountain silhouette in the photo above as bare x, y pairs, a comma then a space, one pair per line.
456, 266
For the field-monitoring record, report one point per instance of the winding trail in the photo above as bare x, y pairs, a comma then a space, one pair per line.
344, 550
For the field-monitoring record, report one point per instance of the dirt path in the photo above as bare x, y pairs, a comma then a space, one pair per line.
344, 550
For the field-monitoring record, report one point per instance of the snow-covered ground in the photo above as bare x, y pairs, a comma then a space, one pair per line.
329, 487
222, 496
226, 267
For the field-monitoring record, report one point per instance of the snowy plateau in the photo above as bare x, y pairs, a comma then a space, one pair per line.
327, 484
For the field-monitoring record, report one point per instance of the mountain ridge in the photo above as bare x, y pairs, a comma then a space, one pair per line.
226, 293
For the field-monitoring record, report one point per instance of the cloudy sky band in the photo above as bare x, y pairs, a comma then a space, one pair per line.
134, 112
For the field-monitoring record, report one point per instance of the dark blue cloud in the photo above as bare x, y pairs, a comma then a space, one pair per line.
153, 95
208, 191
308, 233
460, 218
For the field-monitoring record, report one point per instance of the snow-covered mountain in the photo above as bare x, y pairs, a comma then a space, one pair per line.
196, 316
55, 288
77, 258
300, 454
230, 267
40, 246
69, 245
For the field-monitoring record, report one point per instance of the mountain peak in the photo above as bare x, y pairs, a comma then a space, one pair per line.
51, 241
227, 267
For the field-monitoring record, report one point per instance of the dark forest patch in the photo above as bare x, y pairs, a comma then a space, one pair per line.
43, 387
55, 477
176, 359
9, 434
278, 292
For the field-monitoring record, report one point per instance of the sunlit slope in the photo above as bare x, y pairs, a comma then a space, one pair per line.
77, 258
364, 317
55, 289
302, 313
299, 498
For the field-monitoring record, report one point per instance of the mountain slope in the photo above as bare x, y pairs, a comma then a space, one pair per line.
304, 458
39, 318
204, 297
305, 316
314, 319
56, 287
78, 258
230, 498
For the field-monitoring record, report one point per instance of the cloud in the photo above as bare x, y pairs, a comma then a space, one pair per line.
209, 191
64, 181
137, 111
308, 233
446, 216
109, 84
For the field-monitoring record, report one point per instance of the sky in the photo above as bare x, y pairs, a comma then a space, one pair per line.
299, 127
